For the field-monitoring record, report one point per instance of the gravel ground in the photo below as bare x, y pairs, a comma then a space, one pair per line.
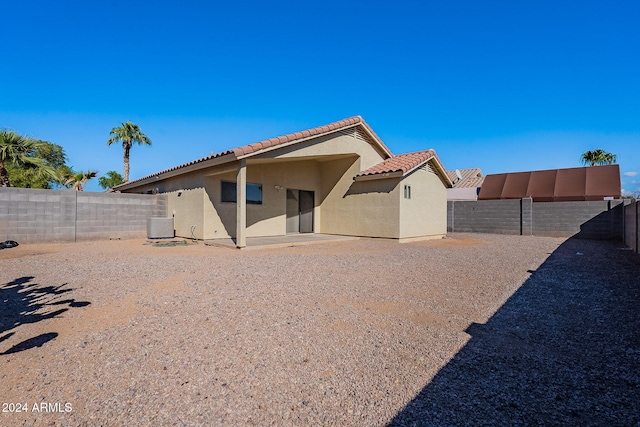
470, 330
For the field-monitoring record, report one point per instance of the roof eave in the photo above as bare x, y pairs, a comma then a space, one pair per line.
226, 158
443, 172
375, 137
380, 175
365, 127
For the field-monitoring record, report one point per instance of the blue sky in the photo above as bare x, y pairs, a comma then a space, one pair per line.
501, 85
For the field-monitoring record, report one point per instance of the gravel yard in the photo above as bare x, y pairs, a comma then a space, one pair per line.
471, 330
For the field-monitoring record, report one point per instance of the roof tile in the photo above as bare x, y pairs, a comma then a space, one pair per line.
471, 177
400, 163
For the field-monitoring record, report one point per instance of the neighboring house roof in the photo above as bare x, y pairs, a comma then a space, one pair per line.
470, 178
572, 184
264, 146
404, 164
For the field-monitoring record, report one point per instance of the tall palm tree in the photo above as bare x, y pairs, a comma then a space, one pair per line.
128, 133
598, 157
78, 180
20, 151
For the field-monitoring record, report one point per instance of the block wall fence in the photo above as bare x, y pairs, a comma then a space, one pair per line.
632, 226
34, 216
602, 219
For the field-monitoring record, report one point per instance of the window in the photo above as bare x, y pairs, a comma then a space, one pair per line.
254, 193
407, 191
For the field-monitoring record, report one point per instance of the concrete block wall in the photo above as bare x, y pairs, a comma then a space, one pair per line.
107, 215
484, 216
526, 216
33, 216
592, 220
632, 226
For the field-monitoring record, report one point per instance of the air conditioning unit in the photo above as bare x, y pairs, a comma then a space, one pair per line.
160, 228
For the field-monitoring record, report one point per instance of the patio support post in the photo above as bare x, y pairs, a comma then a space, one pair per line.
241, 205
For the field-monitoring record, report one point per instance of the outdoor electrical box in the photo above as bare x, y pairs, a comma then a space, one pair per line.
160, 228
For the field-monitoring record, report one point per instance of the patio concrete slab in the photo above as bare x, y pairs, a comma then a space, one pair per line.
280, 241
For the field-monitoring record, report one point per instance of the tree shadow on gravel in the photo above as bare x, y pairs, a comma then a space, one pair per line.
23, 301
563, 350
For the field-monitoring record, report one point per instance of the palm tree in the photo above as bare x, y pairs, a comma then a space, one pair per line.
598, 157
78, 180
128, 133
20, 151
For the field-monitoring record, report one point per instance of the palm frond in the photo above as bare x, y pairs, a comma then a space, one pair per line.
20, 151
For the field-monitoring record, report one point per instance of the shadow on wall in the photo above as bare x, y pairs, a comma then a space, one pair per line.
23, 302
606, 225
373, 186
563, 350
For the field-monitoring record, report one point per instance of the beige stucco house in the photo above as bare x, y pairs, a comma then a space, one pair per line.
334, 179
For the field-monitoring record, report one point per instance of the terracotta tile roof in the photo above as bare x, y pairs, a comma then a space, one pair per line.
184, 165
400, 163
272, 142
292, 137
470, 178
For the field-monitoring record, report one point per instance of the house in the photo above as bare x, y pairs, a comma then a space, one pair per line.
555, 185
334, 179
466, 184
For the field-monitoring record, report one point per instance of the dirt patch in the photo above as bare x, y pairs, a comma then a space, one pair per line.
28, 250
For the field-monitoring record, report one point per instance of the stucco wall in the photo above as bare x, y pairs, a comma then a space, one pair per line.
425, 214
344, 206
187, 208
369, 209
268, 218
329, 145
358, 208
464, 193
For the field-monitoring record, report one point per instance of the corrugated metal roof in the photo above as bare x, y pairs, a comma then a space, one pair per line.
572, 184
